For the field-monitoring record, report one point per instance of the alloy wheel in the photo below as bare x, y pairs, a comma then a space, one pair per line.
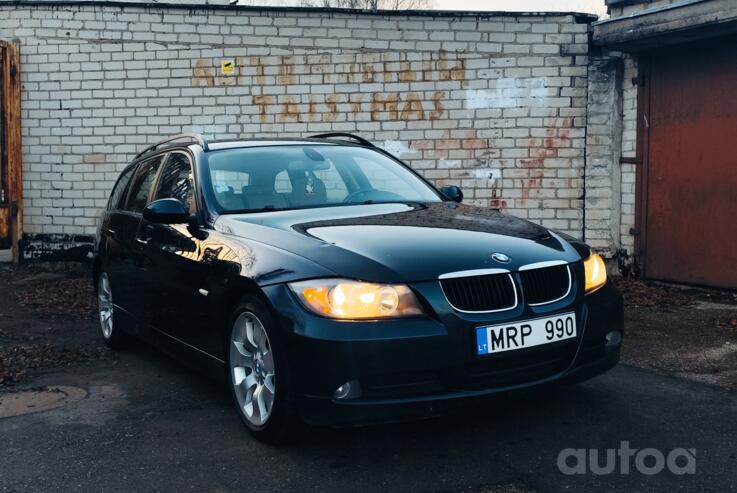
252, 367
105, 305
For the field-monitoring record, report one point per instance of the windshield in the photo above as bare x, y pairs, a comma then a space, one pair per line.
301, 176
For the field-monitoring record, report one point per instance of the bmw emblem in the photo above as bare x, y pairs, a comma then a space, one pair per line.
500, 257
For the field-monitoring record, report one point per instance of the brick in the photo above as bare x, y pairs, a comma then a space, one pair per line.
460, 93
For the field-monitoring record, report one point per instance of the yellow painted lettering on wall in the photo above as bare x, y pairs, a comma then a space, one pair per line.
412, 109
286, 71
204, 75
290, 111
263, 103
438, 108
256, 63
385, 104
332, 106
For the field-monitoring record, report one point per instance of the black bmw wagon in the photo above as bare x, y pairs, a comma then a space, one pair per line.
333, 285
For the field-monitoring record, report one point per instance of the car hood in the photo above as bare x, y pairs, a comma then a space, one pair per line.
401, 242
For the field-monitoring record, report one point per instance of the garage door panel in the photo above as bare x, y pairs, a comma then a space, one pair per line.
691, 209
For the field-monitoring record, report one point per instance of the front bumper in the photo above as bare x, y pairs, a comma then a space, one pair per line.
424, 366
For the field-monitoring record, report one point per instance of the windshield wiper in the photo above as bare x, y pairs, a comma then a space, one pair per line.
369, 202
266, 208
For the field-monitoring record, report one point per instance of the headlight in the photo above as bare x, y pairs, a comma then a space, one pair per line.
355, 300
595, 272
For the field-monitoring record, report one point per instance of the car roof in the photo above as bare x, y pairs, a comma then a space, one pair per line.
216, 145
327, 139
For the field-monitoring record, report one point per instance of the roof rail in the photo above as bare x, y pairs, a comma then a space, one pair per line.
193, 138
329, 135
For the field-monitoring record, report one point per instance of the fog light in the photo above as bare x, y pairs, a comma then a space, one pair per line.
349, 390
613, 338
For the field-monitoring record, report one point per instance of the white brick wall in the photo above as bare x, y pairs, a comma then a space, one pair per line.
629, 149
603, 150
611, 135
495, 104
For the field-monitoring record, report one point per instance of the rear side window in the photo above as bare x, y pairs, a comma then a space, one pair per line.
121, 187
177, 181
141, 185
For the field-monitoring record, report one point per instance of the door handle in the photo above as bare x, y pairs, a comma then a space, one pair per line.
146, 233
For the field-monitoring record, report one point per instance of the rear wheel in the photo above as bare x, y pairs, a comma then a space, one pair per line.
259, 376
112, 332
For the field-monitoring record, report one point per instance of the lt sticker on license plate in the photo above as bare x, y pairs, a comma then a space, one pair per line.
524, 334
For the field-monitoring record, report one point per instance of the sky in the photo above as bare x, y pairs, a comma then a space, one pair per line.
593, 6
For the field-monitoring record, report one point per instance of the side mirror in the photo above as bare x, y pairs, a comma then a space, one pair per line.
166, 211
452, 192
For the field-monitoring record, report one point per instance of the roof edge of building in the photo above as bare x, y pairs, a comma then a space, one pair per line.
580, 17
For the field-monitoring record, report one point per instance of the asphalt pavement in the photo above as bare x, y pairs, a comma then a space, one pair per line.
150, 424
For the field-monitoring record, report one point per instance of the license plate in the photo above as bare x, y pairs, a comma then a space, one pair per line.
493, 339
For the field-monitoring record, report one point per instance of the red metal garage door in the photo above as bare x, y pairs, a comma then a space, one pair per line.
689, 196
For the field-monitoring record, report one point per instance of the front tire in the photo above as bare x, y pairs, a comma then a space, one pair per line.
112, 331
259, 375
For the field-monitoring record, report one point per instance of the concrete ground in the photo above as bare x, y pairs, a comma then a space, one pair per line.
138, 421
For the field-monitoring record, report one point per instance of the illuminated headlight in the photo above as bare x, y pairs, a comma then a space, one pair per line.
595, 272
356, 300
